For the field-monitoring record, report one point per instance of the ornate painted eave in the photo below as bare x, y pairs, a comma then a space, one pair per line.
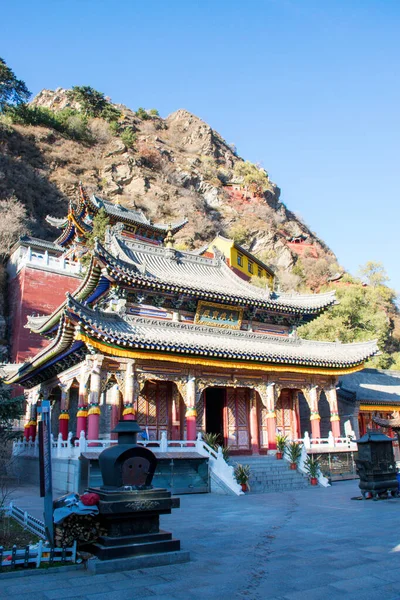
134, 333
92, 287
62, 346
59, 223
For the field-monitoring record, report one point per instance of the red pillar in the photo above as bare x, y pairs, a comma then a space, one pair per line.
32, 429
335, 424
315, 426
81, 418
26, 431
255, 442
191, 415
271, 428
128, 414
93, 422
63, 422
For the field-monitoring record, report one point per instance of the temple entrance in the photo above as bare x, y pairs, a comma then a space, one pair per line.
215, 399
287, 414
227, 412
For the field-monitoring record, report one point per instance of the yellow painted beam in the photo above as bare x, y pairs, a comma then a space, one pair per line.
381, 407
211, 362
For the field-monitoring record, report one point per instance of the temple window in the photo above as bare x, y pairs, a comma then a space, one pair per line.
240, 260
260, 273
250, 267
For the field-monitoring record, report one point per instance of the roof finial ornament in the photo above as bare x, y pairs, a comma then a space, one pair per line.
169, 239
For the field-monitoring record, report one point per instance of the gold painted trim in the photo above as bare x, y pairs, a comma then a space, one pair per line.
381, 407
191, 412
125, 353
203, 303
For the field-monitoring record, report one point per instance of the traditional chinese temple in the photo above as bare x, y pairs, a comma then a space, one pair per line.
176, 339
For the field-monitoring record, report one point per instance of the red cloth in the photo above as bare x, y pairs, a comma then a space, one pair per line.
90, 499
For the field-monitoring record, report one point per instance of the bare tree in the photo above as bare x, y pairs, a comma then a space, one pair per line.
13, 223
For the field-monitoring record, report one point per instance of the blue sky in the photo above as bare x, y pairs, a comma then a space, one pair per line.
310, 89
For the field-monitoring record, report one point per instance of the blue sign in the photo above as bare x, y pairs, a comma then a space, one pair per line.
46, 482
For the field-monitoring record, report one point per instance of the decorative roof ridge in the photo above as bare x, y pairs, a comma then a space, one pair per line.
289, 295
72, 303
148, 248
245, 285
102, 203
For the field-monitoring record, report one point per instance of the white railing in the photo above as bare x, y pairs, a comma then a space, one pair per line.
329, 444
58, 263
68, 450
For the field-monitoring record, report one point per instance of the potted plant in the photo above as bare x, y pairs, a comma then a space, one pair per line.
242, 475
312, 467
293, 451
281, 442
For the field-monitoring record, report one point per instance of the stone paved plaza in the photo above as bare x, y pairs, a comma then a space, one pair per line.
309, 544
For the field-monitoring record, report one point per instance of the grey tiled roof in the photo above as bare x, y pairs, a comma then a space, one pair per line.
141, 333
210, 276
133, 216
373, 386
27, 240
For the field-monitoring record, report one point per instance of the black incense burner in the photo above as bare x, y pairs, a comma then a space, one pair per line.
126, 463
129, 506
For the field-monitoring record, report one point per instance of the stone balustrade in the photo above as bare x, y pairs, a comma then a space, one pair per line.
28, 256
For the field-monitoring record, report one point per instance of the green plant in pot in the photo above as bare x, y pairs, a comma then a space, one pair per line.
293, 452
312, 467
281, 442
242, 476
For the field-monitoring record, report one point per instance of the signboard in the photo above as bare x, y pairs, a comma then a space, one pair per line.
219, 315
46, 483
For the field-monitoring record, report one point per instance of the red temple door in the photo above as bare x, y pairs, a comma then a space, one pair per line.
286, 420
154, 409
237, 419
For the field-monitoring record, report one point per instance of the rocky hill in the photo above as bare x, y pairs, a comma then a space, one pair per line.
173, 167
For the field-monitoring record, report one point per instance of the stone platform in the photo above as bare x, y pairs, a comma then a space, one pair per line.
131, 520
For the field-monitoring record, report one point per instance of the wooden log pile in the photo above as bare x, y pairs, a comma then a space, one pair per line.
85, 529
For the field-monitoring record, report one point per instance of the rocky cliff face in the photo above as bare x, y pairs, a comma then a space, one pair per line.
175, 167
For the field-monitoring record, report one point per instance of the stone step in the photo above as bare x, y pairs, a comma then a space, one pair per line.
267, 474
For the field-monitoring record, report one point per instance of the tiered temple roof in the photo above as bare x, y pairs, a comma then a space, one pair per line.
128, 267
79, 220
158, 270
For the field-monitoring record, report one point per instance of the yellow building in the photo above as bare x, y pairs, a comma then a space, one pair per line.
241, 261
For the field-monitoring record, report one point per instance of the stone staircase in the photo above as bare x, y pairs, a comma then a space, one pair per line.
271, 475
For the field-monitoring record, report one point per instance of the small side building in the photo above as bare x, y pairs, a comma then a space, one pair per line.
241, 261
371, 392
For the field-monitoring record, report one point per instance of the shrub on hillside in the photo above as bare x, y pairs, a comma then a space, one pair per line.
93, 103
154, 112
253, 176
142, 114
239, 233
128, 136
66, 121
